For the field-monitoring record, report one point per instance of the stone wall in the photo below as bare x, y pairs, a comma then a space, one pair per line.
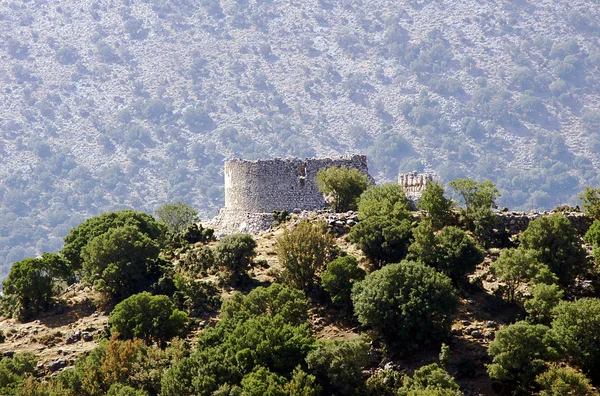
263, 186
516, 222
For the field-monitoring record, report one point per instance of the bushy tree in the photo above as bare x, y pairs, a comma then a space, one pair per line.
122, 261
32, 284
303, 253
558, 381
451, 251
423, 245
479, 200
544, 298
338, 365
384, 230
456, 253
577, 325
194, 295
437, 206
14, 371
384, 383
276, 299
520, 352
235, 253
557, 245
81, 235
517, 266
429, 380
177, 216
343, 185
590, 201
151, 318
339, 277
409, 303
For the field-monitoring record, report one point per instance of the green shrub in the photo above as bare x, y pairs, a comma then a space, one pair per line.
383, 232
520, 352
303, 253
456, 254
194, 295
122, 261
14, 371
339, 277
517, 266
81, 235
151, 318
577, 325
409, 303
177, 216
276, 299
479, 200
558, 381
557, 245
429, 380
343, 185
436, 205
235, 254
338, 365
384, 383
544, 298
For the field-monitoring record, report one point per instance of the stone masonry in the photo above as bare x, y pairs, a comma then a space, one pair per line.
254, 189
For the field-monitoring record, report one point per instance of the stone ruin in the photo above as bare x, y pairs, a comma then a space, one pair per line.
254, 189
414, 183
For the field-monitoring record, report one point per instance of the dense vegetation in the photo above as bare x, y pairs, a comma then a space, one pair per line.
400, 303
109, 105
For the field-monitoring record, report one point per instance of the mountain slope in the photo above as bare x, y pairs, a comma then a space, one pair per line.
110, 104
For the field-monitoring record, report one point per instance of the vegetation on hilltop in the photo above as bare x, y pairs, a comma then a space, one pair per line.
211, 318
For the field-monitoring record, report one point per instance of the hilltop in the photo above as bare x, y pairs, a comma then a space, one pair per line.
109, 104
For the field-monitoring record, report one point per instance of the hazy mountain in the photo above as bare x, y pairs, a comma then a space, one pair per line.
110, 104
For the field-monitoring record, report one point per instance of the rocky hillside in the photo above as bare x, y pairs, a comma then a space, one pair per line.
109, 104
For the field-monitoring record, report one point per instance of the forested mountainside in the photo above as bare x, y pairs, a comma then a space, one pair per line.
109, 104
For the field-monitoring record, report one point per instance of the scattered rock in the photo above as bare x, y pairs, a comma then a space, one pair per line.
73, 337
476, 334
85, 336
490, 324
57, 365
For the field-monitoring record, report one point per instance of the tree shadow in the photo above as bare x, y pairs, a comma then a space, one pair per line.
64, 315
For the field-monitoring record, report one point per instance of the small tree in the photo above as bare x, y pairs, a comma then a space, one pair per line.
544, 298
479, 200
121, 262
590, 201
520, 352
81, 235
566, 380
303, 253
577, 325
456, 254
151, 318
437, 206
423, 245
517, 266
32, 283
429, 380
384, 230
339, 277
557, 245
177, 216
338, 365
343, 185
235, 253
410, 303
276, 299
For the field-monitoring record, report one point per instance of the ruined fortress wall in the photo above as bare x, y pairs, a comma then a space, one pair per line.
280, 184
